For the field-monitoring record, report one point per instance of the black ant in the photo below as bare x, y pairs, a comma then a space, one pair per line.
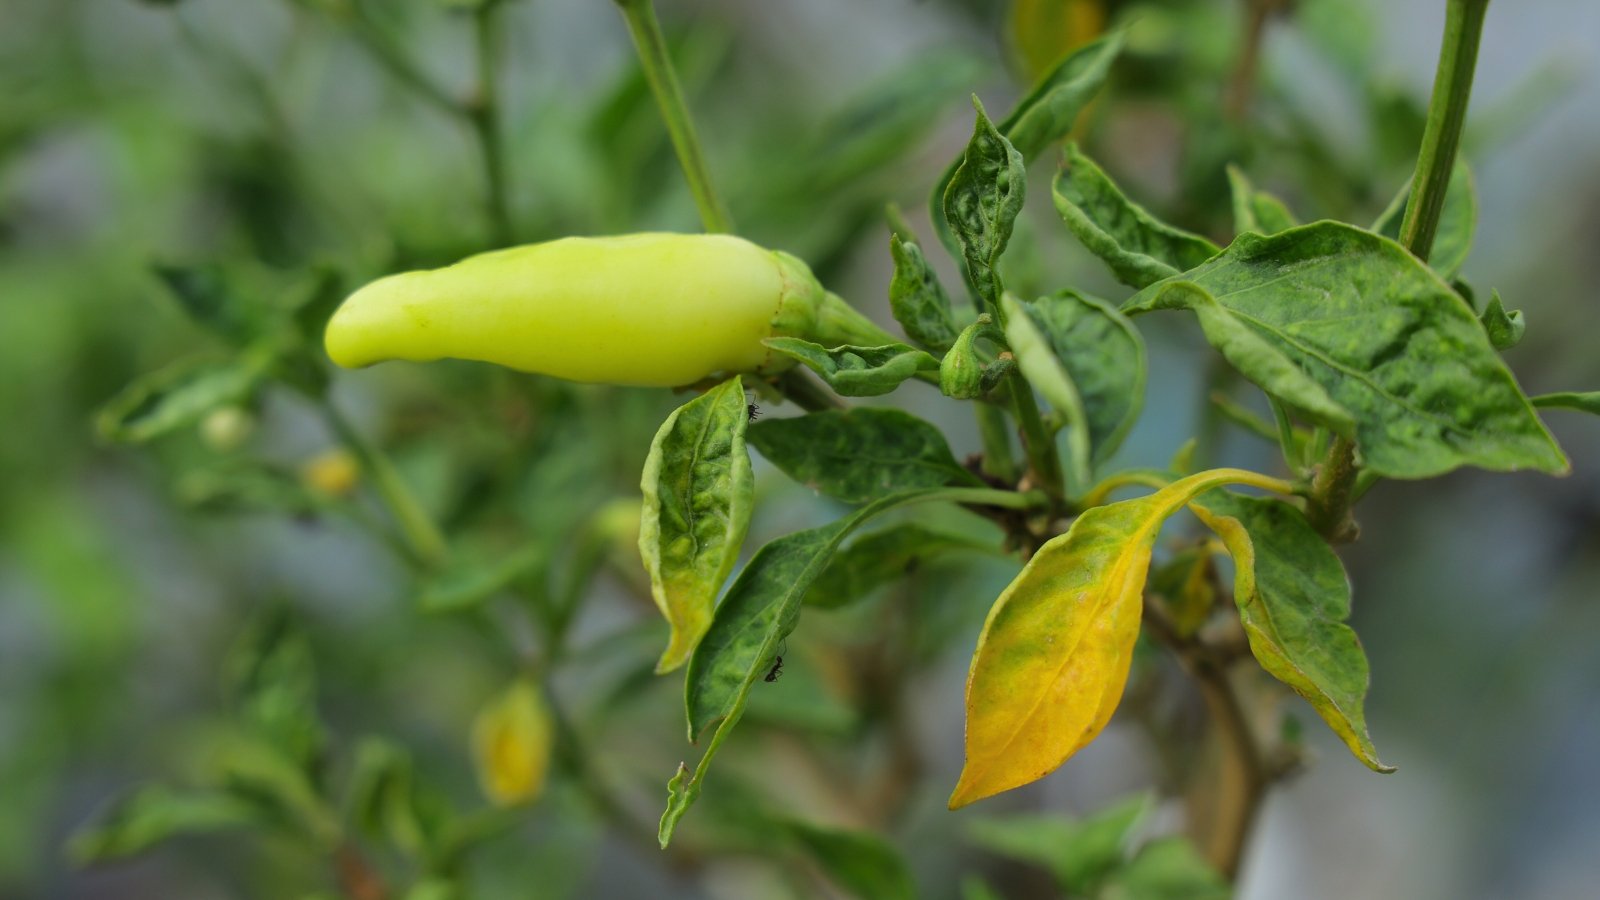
753, 411
777, 664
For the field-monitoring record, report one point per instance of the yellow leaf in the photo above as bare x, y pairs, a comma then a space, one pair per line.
511, 740
1054, 654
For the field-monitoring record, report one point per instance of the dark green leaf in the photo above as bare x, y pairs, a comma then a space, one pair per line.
1585, 402
1139, 248
1045, 115
1504, 328
315, 307
205, 294
858, 371
153, 814
917, 299
860, 863
698, 490
1079, 853
1255, 210
857, 455
1104, 354
1166, 869
876, 559
1458, 219
981, 204
178, 396
1388, 341
1293, 599
271, 682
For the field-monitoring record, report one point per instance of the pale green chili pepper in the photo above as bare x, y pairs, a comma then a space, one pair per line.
660, 310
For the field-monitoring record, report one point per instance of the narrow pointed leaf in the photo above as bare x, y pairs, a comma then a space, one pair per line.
858, 371
1054, 654
1293, 599
917, 299
857, 455
179, 396
1042, 369
981, 205
1458, 219
1104, 353
1139, 248
1255, 210
1387, 340
155, 813
698, 488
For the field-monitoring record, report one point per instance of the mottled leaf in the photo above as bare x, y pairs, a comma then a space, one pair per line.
179, 396
1387, 340
153, 814
1458, 219
876, 559
1104, 354
858, 371
1293, 599
857, 455
859, 863
1505, 329
698, 490
1037, 360
511, 744
1255, 210
981, 204
1078, 852
917, 299
1055, 650
1583, 402
1139, 248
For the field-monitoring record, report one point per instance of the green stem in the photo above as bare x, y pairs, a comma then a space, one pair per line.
483, 110
1036, 441
1447, 113
797, 385
422, 535
1332, 490
995, 431
663, 79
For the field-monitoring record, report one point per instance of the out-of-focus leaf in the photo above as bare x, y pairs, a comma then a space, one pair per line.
1139, 248
206, 295
272, 683
511, 745
1104, 355
858, 455
860, 863
981, 204
1583, 402
1505, 329
1293, 599
1055, 650
469, 579
876, 559
1079, 853
1045, 372
153, 814
1166, 869
313, 309
386, 802
917, 299
858, 371
1255, 210
179, 396
698, 489
1042, 31
1186, 583
1458, 219
1390, 343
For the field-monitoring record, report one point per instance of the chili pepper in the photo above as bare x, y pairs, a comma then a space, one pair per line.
652, 309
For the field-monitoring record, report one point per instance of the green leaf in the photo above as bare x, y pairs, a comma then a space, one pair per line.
1139, 248
1255, 210
1040, 366
981, 204
1044, 116
857, 455
1390, 343
1104, 355
178, 396
698, 489
1293, 599
315, 307
875, 559
860, 863
470, 579
1584, 402
384, 801
1505, 329
858, 371
1166, 869
271, 683
917, 299
1079, 853
1452, 242
153, 814
760, 609
205, 294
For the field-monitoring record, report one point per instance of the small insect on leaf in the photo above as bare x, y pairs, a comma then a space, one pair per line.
753, 411
777, 664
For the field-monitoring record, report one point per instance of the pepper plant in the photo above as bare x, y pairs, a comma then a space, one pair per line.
1373, 358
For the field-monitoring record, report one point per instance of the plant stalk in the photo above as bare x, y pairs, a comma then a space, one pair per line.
423, 537
1037, 443
663, 78
484, 113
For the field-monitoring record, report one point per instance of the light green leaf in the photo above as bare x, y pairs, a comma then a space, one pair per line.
860, 863
858, 371
917, 299
1505, 329
384, 801
857, 455
1388, 341
179, 396
1139, 248
1458, 219
981, 204
153, 814
876, 559
1079, 853
1583, 402
1040, 366
1104, 355
1166, 869
1255, 210
698, 488
1293, 599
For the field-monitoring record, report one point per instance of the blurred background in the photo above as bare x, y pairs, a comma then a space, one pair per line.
158, 155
